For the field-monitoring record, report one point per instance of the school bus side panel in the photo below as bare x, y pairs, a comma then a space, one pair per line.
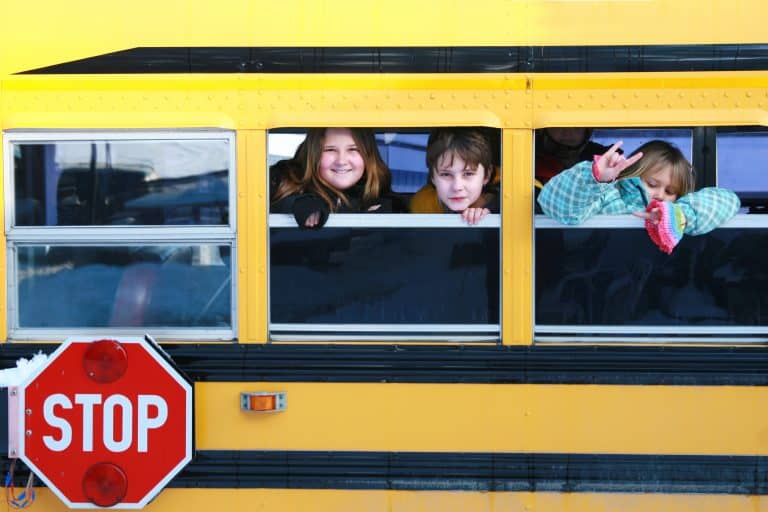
488, 418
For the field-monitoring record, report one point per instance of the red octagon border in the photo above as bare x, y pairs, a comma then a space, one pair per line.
163, 363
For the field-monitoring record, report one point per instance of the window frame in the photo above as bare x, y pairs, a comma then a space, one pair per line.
395, 333
115, 236
704, 142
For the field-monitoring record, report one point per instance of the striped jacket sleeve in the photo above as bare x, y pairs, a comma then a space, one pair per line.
707, 209
574, 196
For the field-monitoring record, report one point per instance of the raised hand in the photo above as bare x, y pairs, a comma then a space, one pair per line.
609, 165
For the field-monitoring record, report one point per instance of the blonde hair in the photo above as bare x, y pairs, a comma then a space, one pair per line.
376, 177
657, 153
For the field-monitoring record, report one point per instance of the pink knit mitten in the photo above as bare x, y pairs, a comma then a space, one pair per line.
668, 232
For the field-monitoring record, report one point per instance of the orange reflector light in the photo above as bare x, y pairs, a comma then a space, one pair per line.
262, 401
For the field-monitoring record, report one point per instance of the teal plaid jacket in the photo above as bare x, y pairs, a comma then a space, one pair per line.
574, 196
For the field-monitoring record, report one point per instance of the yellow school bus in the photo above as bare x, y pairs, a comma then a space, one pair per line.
516, 365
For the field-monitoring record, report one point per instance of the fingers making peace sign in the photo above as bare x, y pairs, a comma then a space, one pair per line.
610, 164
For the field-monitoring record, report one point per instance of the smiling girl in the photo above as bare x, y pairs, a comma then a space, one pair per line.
655, 183
342, 173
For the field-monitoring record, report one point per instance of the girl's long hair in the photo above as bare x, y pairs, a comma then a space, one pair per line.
376, 179
659, 152
285, 175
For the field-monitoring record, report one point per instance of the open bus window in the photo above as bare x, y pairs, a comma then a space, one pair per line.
402, 152
128, 231
399, 276
633, 138
559, 148
604, 280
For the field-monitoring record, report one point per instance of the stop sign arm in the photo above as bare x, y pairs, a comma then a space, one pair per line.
107, 422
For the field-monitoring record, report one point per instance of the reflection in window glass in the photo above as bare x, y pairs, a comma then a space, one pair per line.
603, 277
384, 276
118, 286
122, 182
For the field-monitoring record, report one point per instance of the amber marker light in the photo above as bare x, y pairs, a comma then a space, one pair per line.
263, 401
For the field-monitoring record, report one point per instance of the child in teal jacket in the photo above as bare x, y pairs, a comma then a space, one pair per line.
655, 183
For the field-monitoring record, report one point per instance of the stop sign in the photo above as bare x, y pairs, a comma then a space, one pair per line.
106, 422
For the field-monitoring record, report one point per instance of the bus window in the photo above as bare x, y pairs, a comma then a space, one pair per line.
395, 276
740, 154
604, 279
79, 197
163, 286
118, 182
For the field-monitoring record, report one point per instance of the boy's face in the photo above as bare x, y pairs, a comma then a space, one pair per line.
458, 185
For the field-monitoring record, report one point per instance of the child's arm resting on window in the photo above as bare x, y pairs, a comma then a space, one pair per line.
707, 209
310, 211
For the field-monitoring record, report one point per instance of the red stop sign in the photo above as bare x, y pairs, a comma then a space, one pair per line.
106, 420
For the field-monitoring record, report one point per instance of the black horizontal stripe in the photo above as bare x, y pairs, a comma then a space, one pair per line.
456, 59
477, 472
462, 471
624, 365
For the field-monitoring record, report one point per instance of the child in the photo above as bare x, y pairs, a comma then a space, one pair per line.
655, 183
341, 172
461, 174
